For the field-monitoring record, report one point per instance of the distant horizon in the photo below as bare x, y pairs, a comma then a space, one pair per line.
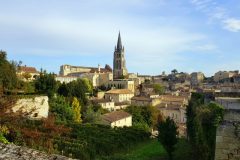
158, 35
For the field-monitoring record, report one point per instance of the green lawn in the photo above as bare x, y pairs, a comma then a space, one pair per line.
150, 150
153, 150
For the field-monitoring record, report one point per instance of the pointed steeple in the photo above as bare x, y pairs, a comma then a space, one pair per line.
119, 43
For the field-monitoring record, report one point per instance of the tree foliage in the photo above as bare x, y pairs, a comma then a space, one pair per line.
62, 110
202, 122
46, 83
91, 115
167, 135
8, 78
4, 131
80, 88
76, 111
143, 115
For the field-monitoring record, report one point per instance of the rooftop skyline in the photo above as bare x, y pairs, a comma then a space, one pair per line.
158, 35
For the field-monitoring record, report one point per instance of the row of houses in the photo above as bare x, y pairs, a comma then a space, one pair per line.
173, 106
125, 94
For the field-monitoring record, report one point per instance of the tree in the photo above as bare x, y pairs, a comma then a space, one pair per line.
167, 135
79, 88
46, 83
202, 122
61, 109
63, 90
174, 71
76, 110
144, 115
8, 77
90, 116
158, 89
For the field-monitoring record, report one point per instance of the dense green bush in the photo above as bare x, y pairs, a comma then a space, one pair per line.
61, 109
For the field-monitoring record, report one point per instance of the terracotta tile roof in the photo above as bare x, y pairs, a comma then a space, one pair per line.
28, 69
119, 91
115, 116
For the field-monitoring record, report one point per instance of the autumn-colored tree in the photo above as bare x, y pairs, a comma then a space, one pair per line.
76, 110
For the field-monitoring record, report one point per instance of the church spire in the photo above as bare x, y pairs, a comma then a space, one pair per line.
119, 43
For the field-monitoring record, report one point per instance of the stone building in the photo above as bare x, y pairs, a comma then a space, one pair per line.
66, 79
145, 101
221, 75
98, 79
76, 70
196, 78
105, 104
119, 62
122, 84
175, 111
117, 119
27, 73
119, 95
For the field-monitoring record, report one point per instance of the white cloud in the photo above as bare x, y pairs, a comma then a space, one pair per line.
232, 24
206, 47
212, 9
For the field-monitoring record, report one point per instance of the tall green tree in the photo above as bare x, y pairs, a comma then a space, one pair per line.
80, 88
167, 135
8, 78
46, 83
61, 109
76, 111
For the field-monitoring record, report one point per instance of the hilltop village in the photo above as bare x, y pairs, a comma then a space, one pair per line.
120, 95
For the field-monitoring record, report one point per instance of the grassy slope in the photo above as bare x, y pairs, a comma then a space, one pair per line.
153, 150
150, 150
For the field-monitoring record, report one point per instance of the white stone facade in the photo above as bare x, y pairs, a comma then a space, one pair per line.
122, 122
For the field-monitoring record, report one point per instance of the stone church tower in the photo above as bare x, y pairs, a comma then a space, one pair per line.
119, 62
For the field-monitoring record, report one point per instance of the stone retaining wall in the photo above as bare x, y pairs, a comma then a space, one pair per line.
13, 152
227, 142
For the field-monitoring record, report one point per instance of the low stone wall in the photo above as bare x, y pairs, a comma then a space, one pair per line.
13, 152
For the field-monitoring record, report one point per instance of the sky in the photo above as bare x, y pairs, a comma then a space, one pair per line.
158, 35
